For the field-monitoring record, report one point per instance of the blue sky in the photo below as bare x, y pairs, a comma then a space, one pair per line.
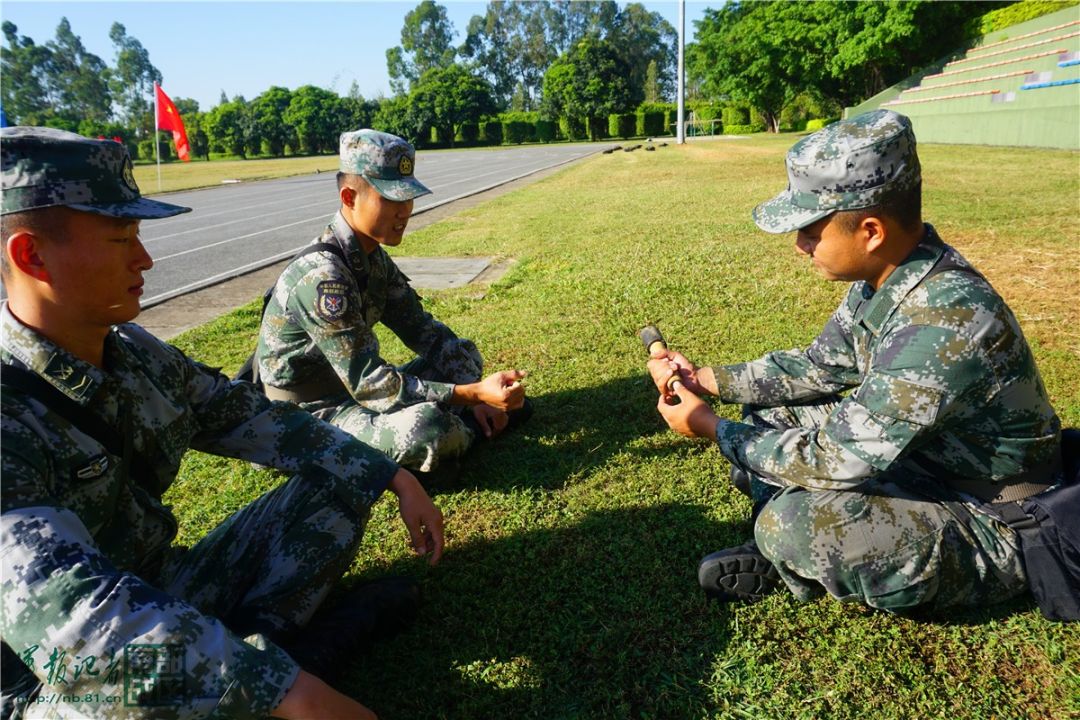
202, 48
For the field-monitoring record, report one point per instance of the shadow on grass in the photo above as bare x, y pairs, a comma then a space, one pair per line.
602, 618
570, 432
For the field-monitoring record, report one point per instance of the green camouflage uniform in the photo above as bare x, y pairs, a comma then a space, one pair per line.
944, 401
317, 341
87, 568
95, 603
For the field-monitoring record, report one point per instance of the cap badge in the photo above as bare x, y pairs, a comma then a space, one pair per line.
405, 165
129, 175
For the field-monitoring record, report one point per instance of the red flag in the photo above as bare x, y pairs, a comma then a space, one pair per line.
168, 118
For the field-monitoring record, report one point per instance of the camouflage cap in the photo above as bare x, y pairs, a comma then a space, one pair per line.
848, 165
44, 167
384, 160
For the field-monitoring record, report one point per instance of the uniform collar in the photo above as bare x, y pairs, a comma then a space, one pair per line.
76, 378
905, 278
347, 240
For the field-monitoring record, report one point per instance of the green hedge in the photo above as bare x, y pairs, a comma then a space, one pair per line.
1014, 14
597, 127
818, 123
622, 125
572, 128
744, 129
733, 115
652, 119
649, 123
491, 132
545, 130
468, 133
519, 127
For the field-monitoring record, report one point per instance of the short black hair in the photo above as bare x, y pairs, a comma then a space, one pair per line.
43, 222
905, 207
356, 182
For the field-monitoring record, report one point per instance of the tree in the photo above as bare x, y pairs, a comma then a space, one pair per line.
510, 43
77, 80
590, 81
646, 38
877, 44
225, 129
312, 112
570, 20
22, 78
769, 53
445, 98
425, 44
758, 52
268, 114
132, 81
195, 123
355, 111
398, 116
652, 83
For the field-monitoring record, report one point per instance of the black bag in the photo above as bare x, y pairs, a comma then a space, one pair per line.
249, 371
1049, 528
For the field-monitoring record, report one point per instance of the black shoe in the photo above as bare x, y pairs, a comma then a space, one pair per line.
445, 475
368, 613
515, 419
739, 573
741, 481
520, 416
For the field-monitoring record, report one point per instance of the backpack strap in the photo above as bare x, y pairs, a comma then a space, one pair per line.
14, 377
249, 371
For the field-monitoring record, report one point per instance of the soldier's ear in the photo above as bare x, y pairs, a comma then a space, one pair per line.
348, 196
874, 232
22, 249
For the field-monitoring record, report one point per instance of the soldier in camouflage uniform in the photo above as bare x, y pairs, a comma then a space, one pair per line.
101, 616
883, 494
317, 346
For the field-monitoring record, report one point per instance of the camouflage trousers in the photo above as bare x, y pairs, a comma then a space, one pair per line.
268, 567
418, 437
891, 542
263, 572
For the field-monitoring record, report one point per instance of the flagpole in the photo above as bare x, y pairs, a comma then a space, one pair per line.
157, 148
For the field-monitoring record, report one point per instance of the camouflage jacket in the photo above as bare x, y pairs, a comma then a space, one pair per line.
81, 539
943, 385
318, 330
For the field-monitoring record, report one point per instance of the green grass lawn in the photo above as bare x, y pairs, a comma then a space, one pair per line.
568, 589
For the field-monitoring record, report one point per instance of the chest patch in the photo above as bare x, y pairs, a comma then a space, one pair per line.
331, 301
95, 468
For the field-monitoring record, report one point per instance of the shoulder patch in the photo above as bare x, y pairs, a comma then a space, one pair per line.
331, 300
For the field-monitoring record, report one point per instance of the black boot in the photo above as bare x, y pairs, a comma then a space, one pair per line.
368, 613
520, 416
515, 419
739, 573
741, 481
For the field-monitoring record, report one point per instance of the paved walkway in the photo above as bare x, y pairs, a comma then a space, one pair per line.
173, 317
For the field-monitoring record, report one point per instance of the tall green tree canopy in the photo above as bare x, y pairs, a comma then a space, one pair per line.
510, 44
516, 41
768, 53
313, 112
591, 80
78, 80
132, 81
426, 43
23, 80
447, 97
268, 113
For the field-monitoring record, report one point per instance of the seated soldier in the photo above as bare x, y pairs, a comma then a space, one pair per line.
317, 346
890, 494
97, 414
